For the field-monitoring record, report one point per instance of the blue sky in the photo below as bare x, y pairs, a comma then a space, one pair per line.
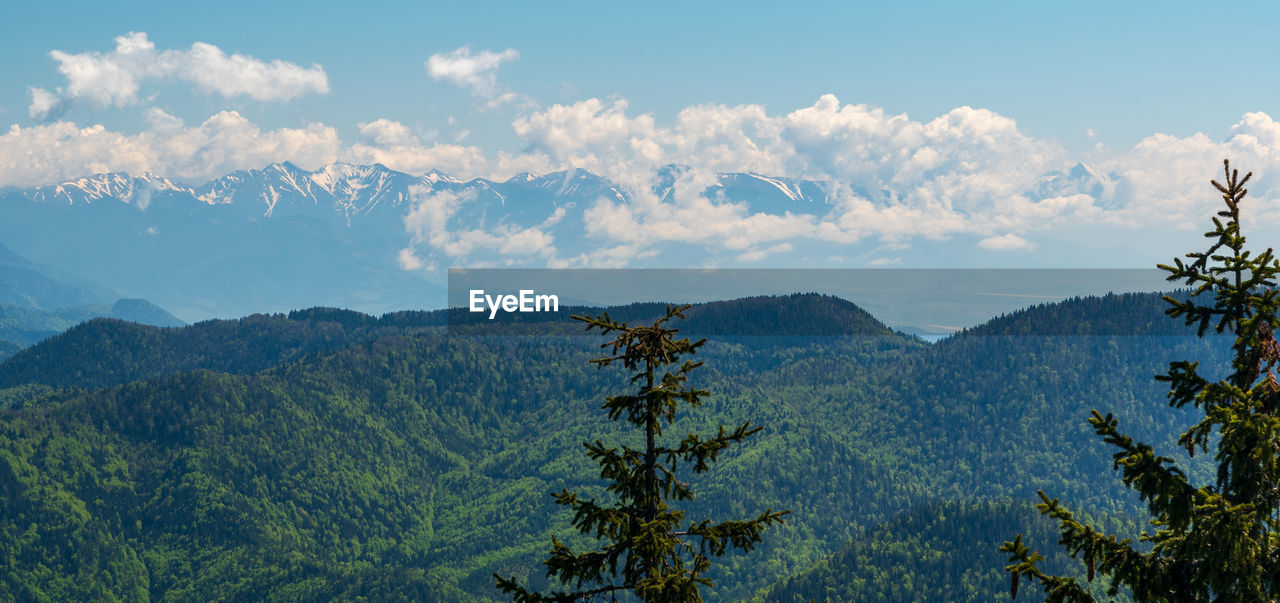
1122, 70
958, 117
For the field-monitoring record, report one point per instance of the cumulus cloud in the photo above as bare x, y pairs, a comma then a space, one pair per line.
223, 143
967, 171
889, 177
44, 104
408, 260
474, 71
886, 179
430, 223
115, 78
1004, 242
394, 145
1166, 176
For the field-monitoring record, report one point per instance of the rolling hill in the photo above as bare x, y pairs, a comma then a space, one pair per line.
336, 454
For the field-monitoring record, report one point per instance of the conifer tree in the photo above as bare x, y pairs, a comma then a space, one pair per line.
647, 547
1218, 541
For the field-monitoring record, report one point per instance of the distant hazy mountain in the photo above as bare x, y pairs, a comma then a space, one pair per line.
283, 237
37, 302
26, 284
8, 348
143, 312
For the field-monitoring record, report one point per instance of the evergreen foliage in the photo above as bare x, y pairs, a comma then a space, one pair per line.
409, 465
644, 534
104, 351
937, 552
1213, 542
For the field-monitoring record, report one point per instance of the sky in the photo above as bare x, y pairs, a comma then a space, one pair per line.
953, 114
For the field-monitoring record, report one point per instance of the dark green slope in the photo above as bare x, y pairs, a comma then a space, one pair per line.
796, 315
28, 325
105, 352
938, 552
316, 482
800, 314
1124, 314
432, 458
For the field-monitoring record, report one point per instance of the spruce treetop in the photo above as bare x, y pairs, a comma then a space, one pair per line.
647, 547
1217, 541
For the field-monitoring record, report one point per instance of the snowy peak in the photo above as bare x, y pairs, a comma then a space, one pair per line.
357, 189
267, 186
738, 186
436, 176
785, 186
773, 192
114, 185
576, 183
1079, 179
349, 191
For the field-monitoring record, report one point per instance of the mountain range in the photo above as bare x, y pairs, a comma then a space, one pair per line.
357, 236
328, 454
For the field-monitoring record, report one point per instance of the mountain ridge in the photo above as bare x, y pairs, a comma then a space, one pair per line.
436, 454
347, 182
369, 237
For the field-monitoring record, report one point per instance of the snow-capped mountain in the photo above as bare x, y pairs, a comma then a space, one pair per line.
371, 238
349, 190
115, 185
283, 237
1079, 180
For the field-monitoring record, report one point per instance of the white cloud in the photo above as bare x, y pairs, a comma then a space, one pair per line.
474, 71
408, 260
756, 255
890, 179
161, 121
1005, 242
225, 142
115, 78
384, 132
394, 145
238, 75
44, 104
968, 171
1165, 179
430, 224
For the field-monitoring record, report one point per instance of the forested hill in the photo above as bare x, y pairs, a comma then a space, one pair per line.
1124, 314
798, 314
104, 352
410, 464
938, 552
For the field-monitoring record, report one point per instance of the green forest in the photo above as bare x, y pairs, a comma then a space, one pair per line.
328, 454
